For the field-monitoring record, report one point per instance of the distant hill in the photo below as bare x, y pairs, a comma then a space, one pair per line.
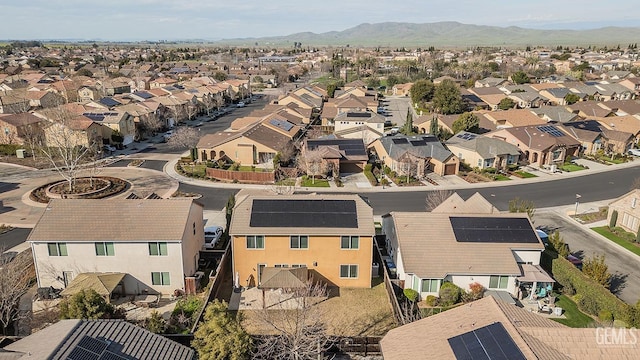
453, 34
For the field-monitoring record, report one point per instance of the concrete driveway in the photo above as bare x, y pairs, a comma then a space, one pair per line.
623, 265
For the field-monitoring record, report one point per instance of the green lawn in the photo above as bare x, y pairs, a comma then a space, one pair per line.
571, 167
307, 182
604, 231
575, 318
500, 177
525, 175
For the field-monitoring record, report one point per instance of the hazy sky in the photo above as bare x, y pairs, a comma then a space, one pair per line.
218, 19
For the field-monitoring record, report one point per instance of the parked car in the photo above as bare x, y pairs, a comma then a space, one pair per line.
575, 261
634, 152
109, 148
166, 136
241, 104
212, 235
543, 236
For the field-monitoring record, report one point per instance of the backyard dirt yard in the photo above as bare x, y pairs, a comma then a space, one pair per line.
347, 312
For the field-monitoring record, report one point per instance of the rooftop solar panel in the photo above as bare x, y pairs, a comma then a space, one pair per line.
551, 130
400, 140
418, 142
284, 125
491, 342
304, 213
359, 114
493, 230
94, 345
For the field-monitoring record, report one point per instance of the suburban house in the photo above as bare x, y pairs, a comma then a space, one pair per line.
556, 95
628, 209
513, 118
43, 99
115, 121
12, 104
20, 128
539, 145
627, 123
329, 235
420, 154
493, 329
401, 89
334, 107
254, 144
610, 141
366, 126
305, 101
96, 339
482, 151
339, 155
75, 131
155, 243
490, 82
429, 248
527, 99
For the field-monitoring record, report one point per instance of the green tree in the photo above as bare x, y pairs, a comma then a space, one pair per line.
87, 304
220, 76
595, 268
571, 98
558, 244
447, 98
520, 77
433, 126
422, 90
506, 104
155, 323
84, 72
518, 205
614, 219
449, 294
407, 129
220, 335
466, 122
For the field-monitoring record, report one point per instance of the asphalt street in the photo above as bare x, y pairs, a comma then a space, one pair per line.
12, 238
584, 243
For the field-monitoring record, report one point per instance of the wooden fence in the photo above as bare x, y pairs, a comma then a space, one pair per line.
242, 176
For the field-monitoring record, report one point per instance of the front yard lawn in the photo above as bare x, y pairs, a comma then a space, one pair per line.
606, 232
309, 182
500, 177
524, 174
575, 318
571, 167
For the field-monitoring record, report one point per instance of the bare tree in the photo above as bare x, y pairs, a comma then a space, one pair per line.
312, 163
296, 323
191, 110
408, 165
435, 198
150, 124
285, 181
66, 146
184, 138
16, 276
209, 103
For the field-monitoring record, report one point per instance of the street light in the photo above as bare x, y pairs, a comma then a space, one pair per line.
578, 196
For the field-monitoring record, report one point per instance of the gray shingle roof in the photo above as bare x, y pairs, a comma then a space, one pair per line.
58, 341
422, 146
113, 220
485, 146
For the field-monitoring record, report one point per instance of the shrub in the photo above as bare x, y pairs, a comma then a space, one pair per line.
614, 219
9, 149
638, 236
449, 294
476, 291
589, 305
431, 300
605, 316
489, 170
410, 294
235, 166
568, 289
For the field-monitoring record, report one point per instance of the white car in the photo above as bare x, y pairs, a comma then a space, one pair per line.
167, 135
211, 236
241, 104
634, 152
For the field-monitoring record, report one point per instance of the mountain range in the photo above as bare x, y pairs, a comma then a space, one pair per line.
448, 34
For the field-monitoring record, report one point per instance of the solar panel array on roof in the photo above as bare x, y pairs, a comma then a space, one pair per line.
551, 130
99, 116
418, 142
281, 124
89, 348
466, 136
107, 101
493, 230
143, 94
304, 213
400, 141
349, 146
359, 114
491, 342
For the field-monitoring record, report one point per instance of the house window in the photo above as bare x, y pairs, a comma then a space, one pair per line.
557, 155
349, 242
348, 271
430, 285
299, 242
57, 249
105, 249
633, 203
281, 265
498, 282
158, 249
160, 278
299, 266
255, 242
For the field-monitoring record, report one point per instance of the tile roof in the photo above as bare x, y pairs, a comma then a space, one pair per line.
59, 340
422, 146
484, 146
439, 254
113, 220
